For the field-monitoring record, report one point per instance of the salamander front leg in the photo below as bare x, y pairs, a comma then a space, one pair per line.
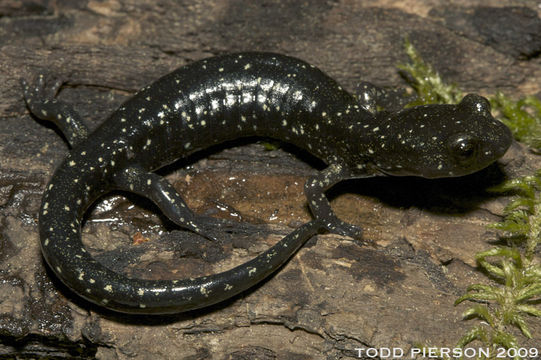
315, 188
166, 197
40, 101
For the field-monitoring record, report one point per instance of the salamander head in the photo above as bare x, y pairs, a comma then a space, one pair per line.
435, 141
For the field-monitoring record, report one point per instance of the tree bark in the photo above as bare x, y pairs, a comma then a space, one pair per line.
335, 295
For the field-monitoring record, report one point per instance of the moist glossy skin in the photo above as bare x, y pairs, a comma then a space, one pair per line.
223, 98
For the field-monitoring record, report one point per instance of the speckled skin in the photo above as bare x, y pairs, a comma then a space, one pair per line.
223, 98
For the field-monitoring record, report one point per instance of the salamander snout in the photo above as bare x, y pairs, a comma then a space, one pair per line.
479, 130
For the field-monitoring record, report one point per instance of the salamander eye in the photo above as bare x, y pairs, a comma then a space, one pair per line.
463, 147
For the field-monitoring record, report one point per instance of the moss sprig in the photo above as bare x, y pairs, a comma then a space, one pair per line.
515, 294
523, 117
426, 82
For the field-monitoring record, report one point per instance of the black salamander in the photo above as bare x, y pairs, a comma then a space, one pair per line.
223, 98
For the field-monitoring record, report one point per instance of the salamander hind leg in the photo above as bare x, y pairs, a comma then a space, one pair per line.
165, 196
40, 100
315, 188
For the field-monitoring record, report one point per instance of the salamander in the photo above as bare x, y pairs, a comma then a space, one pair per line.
223, 98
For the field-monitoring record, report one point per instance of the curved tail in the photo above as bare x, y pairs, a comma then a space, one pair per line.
75, 185
64, 204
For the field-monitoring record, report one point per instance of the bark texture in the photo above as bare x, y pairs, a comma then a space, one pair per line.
335, 295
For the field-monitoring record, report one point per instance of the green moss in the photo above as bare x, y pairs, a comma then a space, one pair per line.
513, 294
523, 117
426, 82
